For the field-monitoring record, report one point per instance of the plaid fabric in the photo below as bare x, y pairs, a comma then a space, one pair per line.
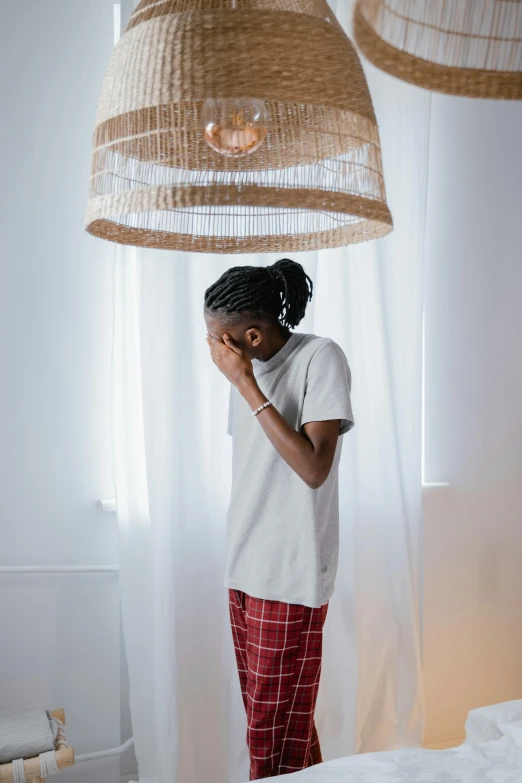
278, 650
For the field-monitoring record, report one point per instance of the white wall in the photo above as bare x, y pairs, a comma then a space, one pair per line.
473, 537
61, 644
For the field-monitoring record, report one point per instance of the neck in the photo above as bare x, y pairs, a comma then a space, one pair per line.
276, 337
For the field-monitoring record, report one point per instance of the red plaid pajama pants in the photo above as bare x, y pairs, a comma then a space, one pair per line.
278, 651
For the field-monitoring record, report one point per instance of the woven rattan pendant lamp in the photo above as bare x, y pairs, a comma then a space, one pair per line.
471, 48
233, 126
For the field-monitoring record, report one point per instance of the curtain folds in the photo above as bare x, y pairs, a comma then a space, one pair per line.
172, 468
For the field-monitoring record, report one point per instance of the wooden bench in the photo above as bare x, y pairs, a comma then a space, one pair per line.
32, 769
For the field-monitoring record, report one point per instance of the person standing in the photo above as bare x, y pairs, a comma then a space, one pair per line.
289, 406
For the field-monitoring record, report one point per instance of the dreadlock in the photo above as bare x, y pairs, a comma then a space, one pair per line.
281, 291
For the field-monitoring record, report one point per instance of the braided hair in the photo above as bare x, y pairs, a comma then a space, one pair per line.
281, 292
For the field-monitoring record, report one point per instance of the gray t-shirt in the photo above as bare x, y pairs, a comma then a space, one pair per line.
283, 537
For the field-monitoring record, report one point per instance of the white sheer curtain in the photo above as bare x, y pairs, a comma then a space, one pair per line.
172, 464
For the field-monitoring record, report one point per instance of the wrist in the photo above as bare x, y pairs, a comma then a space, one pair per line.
251, 392
247, 384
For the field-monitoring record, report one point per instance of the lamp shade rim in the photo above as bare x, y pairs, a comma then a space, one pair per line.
349, 234
450, 80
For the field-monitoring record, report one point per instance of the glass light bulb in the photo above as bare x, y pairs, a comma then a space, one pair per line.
234, 126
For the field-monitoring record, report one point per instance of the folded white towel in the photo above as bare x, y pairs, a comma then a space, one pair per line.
24, 733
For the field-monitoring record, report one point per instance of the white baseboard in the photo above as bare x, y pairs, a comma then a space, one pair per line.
129, 778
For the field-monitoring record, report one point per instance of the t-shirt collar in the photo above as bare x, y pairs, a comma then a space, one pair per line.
278, 358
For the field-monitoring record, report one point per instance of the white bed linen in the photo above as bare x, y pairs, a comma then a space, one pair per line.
513, 730
484, 723
496, 761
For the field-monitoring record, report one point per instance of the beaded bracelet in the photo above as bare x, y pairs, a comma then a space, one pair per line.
261, 408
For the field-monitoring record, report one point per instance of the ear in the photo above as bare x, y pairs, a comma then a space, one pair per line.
253, 337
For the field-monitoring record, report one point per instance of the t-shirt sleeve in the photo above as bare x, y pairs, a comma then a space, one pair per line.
328, 387
230, 428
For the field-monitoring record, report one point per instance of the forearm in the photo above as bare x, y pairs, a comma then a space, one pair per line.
312, 465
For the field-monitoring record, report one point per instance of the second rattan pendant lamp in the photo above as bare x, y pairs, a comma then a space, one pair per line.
234, 126
471, 48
